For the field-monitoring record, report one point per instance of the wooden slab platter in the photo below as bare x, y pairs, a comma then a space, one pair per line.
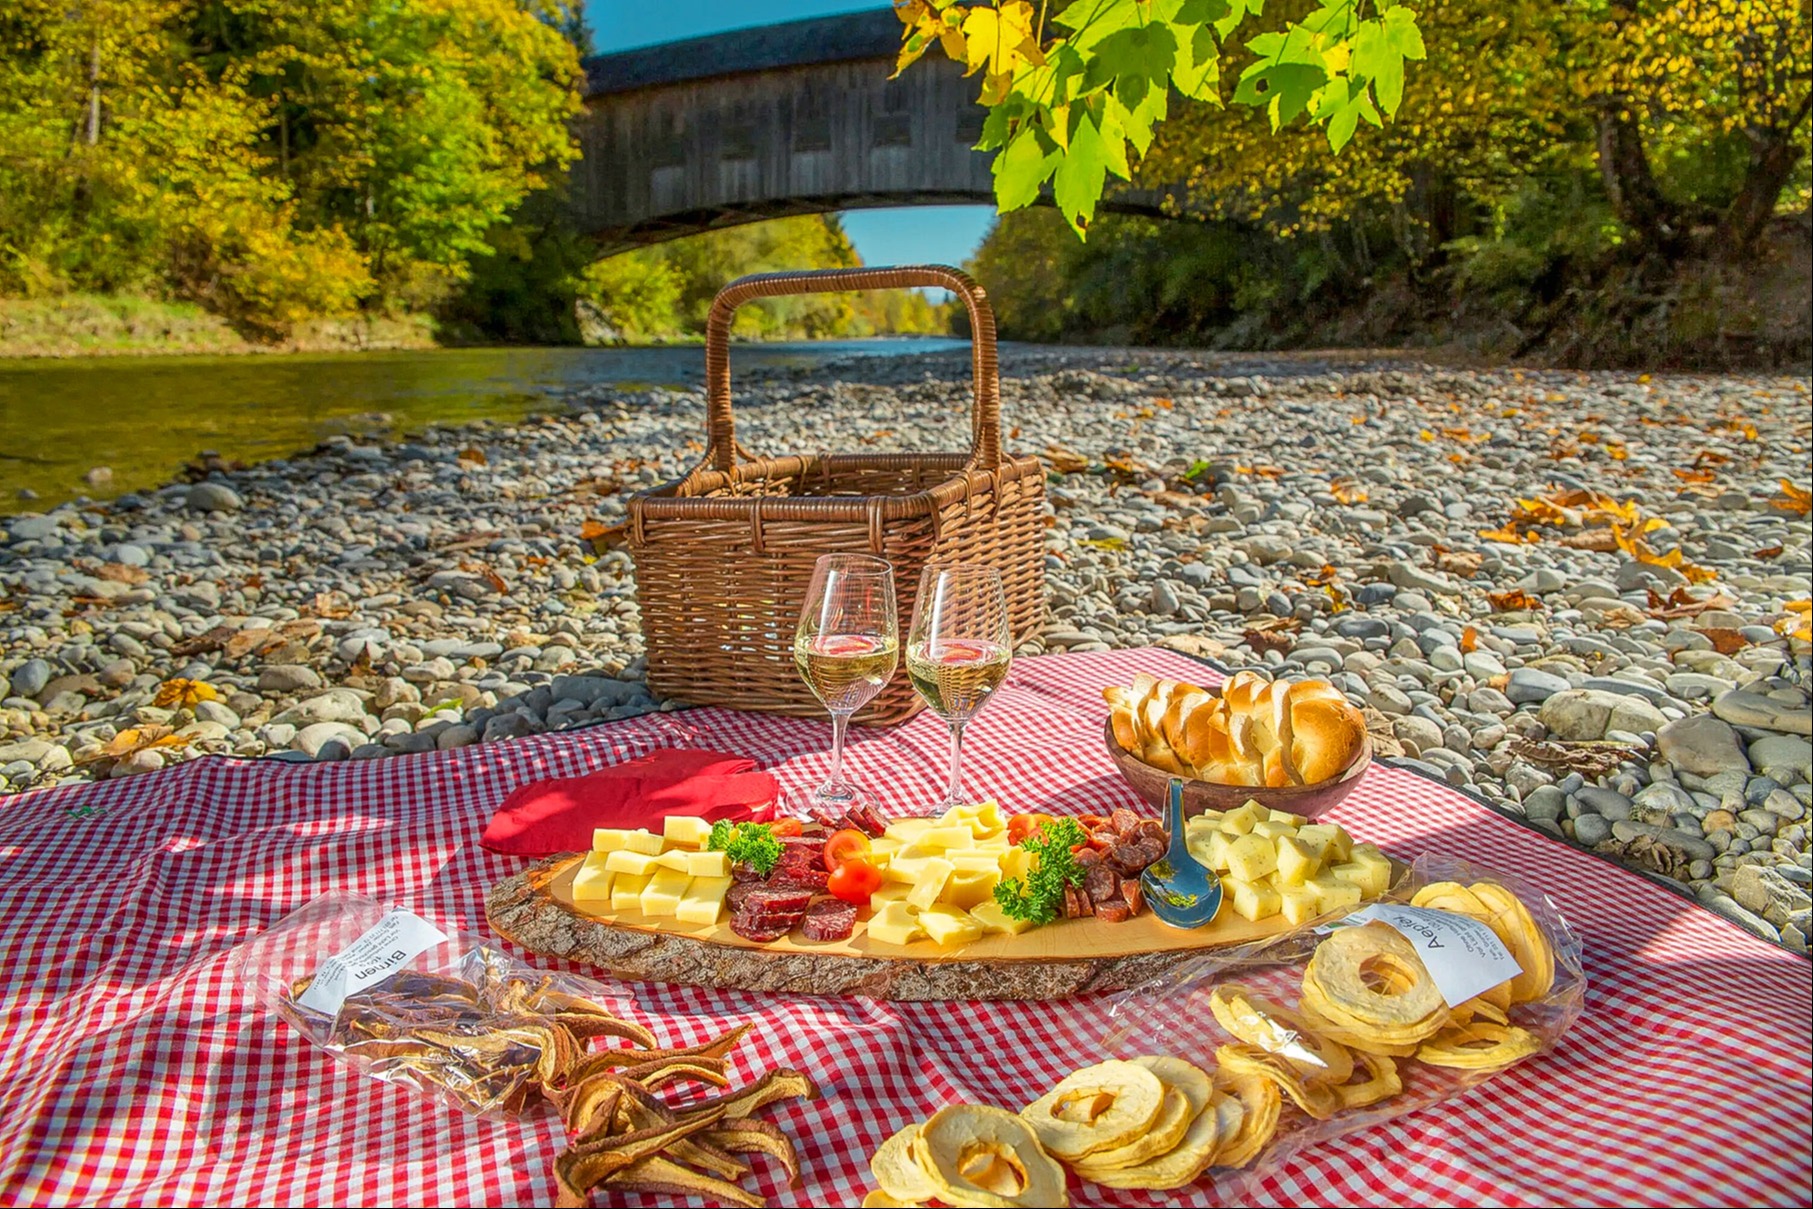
535, 909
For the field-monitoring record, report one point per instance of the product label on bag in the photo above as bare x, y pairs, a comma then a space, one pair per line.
386, 947
1463, 956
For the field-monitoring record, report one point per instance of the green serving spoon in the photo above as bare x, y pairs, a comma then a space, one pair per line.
1180, 890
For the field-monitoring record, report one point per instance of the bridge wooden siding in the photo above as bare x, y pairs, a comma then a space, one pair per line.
792, 119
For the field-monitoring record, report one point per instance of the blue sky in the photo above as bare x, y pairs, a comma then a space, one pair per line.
945, 234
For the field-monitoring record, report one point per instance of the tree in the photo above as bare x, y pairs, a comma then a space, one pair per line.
1078, 99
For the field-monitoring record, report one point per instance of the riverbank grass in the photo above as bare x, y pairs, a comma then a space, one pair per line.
90, 325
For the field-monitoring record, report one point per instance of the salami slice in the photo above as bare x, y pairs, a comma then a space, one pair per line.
829, 919
801, 877
777, 900
760, 933
1102, 883
1113, 910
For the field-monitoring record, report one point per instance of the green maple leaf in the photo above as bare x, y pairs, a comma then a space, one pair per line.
1285, 89
1022, 167
1077, 184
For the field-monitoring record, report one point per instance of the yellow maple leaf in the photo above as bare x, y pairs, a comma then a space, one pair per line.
179, 693
999, 40
1797, 499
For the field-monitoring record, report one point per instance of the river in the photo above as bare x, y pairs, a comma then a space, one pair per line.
143, 417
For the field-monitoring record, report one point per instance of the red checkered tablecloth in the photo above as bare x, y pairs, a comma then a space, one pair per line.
134, 1071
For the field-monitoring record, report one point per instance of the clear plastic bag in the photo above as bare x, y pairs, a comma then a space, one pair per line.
1172, 1015
461, 1020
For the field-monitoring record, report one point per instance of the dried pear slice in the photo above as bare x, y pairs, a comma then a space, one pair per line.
988, 1157
1315, 1098
1260, 1105
1381, 1083
897, 1171
1100, 1107
1478, 1046
1260, 1022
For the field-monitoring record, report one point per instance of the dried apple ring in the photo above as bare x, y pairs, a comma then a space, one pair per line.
1260, 1105
1259, 1021
1373, 975
1100, 1107
1382, 1082
1313, 1097
1478, 1046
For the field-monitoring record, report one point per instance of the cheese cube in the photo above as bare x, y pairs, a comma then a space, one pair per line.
1254, 901
687, 831
1298, 904
664, 890
994, 919
592, 884
908, 830
1296, 863
885, 843
1242, 820
958, 836
966, 888
1338, 845
1208, 818
1285, 816
703, 901
930, 883
1017, 862
895, 924
975, 862
949, 925
1215, 853
1332, 893
1272, 830
675, 859
707, 864
640, 840
1251, 857
1376, 878
626, 891
995, 842
625, 861
889, 893
909, 868
989, 815
608, 839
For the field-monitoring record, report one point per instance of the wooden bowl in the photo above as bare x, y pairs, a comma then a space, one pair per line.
1307, 800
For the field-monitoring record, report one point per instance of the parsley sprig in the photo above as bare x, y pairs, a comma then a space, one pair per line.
752, 844
1039, 896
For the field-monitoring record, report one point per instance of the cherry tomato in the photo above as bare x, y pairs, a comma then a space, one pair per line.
782, 827
1023, 825
854, 881
845, 845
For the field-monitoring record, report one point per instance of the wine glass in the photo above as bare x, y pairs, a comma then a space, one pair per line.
846, 648
958, 649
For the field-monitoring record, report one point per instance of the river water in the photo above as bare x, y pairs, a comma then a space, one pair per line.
143, 417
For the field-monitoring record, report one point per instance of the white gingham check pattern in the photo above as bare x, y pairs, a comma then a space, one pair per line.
133, 1071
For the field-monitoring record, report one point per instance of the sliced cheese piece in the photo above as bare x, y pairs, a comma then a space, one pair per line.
906, 831
626, 861
592, 884
703, 901
903, 868
626, 891
707, 864
958, 836
608, 839
1017, 862
949, 925
989, 815
975, 862
1271, 830
675, 859
895, 924
890, 892
685, 830
994, 919
930, 883
664, 890
642, 840
968, 887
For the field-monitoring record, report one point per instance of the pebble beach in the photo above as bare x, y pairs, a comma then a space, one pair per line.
1577, 595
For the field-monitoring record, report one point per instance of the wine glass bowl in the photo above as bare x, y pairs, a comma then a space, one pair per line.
846, 647
958, 650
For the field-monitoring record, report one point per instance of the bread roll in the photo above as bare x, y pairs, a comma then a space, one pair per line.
1257, 732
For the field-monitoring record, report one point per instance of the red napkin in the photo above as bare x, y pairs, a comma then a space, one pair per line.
558, 815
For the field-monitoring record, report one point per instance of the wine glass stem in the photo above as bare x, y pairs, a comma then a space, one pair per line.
954, 793
840, 722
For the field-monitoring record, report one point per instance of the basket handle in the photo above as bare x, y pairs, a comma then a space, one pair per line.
985, 418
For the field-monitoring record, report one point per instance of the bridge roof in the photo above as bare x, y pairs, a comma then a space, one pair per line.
869, 34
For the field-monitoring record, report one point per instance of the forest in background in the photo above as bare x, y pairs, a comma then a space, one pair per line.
1590, 182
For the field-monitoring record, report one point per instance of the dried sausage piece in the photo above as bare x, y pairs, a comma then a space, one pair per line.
1073, 909
1124, 859
829, 919
1123, 822
1135, 895
1101, 883
1151, 829
1088, 857
1114, 911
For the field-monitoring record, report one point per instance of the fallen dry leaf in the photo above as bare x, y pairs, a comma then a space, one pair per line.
1725, 642
1065, 461
1269, 640
135, 739
208, 640
1512, 601
1797, 500
180, 693
120, 573
1459, 562
1469, 640
1767, 552
472, 455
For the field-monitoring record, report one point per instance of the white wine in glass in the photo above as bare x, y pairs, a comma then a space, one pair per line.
846, 649
958, 650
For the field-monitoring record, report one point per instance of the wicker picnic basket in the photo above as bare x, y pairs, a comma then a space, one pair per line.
724, 554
